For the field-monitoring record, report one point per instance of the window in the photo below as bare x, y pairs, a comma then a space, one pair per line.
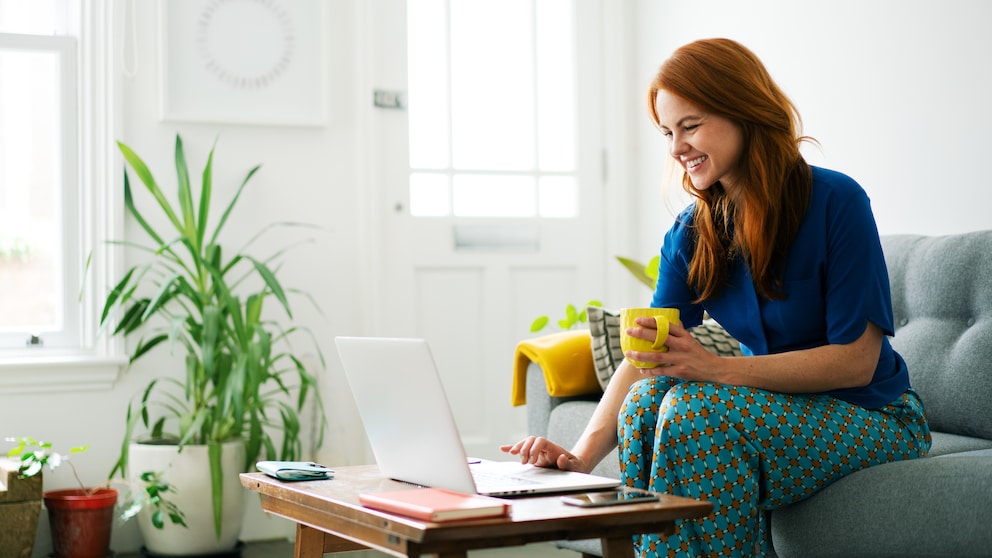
37, 190
53, 185
492, 108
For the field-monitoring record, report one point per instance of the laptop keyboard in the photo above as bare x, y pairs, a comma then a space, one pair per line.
489, 478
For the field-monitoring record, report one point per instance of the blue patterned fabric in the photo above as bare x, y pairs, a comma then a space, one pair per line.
748, 451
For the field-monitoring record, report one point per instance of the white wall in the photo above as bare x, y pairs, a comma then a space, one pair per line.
896, 92
308, 174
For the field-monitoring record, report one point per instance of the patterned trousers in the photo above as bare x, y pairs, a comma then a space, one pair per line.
749, 451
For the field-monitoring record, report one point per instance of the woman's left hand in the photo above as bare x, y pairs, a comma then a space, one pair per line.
685, 358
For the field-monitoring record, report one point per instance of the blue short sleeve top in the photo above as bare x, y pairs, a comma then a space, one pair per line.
835, 281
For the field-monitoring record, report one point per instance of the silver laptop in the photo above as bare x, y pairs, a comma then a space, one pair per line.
412, 431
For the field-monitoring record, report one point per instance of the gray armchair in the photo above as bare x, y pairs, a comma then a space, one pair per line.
940, 505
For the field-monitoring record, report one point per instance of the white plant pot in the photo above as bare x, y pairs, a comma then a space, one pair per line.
189, 473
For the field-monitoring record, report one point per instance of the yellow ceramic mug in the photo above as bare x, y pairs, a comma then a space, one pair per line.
662, 317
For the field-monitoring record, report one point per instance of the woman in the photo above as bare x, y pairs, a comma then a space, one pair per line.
787, 258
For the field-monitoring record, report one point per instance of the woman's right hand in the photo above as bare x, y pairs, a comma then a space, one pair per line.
542, 452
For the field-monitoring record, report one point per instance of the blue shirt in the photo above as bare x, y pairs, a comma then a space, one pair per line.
835, 281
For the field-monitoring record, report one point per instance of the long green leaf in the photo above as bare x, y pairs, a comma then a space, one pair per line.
194, 426
121, 466
234, 391
185, 196
158, 429
217, 484
133, 210
131, 320
273, 284
143, 347
230, 206
163, 296
255, 433
206, 194
233, 306
211, 334
115, 294
253, 309
637, 270
141, 169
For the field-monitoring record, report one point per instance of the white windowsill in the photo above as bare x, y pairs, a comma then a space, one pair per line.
52, 374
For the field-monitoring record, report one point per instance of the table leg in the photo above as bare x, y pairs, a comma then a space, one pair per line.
309, 542
618, 547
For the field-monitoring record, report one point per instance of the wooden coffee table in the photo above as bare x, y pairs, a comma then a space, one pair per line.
330, 519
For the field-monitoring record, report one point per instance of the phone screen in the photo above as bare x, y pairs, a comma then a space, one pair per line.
608, 498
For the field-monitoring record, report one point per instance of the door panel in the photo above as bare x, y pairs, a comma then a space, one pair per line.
472, 286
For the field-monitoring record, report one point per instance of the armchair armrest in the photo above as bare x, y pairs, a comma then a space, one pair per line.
540, 403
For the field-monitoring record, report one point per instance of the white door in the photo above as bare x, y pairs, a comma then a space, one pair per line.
486, 158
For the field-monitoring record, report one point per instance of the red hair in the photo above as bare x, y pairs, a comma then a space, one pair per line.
758, 218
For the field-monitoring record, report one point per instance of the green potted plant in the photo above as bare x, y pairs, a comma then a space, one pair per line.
80, 519
645, 273
242, 390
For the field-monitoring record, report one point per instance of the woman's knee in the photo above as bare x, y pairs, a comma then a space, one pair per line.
689, 398
644, 396
701, 409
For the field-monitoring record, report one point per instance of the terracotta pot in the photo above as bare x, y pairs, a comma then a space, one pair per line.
81, 521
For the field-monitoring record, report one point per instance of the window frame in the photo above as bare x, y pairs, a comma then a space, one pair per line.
64, 47
93, 361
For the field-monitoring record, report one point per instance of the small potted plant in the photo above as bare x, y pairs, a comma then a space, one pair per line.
88, 512
80, 519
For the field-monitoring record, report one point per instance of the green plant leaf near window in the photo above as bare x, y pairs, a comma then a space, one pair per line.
574, 317
645, 273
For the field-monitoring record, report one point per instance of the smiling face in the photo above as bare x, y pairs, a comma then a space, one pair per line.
708, 146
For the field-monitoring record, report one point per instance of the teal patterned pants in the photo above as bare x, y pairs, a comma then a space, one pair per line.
749, 451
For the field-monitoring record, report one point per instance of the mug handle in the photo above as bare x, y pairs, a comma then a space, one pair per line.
662, 336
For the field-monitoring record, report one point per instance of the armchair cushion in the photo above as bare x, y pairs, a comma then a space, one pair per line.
942, 301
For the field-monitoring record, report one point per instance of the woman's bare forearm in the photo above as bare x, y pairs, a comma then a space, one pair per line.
599, 438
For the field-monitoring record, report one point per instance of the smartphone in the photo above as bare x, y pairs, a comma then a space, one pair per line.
608, 498
294, 470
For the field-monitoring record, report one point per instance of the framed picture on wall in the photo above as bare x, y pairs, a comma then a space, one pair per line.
242, 61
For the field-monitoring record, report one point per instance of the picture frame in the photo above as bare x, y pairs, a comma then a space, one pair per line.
242, 61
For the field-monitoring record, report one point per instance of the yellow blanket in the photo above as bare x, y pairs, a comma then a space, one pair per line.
565, 357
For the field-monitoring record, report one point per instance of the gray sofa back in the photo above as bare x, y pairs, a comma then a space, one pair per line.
942, 299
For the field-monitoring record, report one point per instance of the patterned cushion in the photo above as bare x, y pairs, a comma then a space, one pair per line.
715, 339
604, 327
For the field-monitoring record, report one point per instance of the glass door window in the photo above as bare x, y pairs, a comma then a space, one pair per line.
492, 108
